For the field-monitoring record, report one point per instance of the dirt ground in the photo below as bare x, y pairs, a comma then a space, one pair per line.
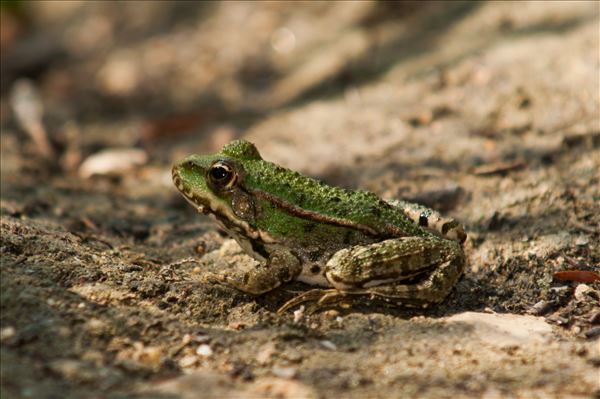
488, 112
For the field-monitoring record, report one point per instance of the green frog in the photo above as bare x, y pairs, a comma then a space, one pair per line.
344, 242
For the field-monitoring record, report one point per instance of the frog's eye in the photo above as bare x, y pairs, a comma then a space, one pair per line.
221, 175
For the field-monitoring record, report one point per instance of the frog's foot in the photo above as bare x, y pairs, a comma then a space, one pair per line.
407, 270
281, 268
216, 279
231, 281
321, 297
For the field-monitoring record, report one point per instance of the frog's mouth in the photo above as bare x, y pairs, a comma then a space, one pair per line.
197, 202
199, 207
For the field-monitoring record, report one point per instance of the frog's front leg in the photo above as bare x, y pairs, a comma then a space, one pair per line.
382, 269
281, 267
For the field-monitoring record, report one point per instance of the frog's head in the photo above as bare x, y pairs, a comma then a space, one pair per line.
209, 181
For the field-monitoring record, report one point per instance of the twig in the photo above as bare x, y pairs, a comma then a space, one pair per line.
29, 110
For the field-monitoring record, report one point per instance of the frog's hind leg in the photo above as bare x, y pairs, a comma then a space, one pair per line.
412, 270
431, 290
415, 271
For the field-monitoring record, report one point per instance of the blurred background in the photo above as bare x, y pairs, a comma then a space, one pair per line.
339, 81
146, 75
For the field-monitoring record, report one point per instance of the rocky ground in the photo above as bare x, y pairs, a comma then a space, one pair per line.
488, 112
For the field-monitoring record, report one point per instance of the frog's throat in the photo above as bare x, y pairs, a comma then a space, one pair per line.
210, 204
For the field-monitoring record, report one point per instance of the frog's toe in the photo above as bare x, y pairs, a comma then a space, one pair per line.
315, 295
331, 296
328, 299
218, 279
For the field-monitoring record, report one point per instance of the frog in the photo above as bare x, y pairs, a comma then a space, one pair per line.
341, 242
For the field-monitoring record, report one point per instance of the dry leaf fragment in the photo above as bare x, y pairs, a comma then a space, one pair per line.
580, 276
112, 160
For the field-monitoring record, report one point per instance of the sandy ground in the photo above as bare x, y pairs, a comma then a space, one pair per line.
488, 112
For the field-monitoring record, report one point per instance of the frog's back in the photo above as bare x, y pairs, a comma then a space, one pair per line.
303, 193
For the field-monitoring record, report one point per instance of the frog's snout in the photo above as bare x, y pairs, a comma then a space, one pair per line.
179, 173
178, 168
175, 175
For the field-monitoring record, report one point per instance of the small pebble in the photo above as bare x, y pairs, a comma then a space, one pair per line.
237, 325
284, 372
93, 356
64, 332
298, 314
581, 291
151, 356
187, 361
293, 356
201, 338
96, 326
328, 345
265, 353
7, 333
200, 249
561, 289
197, 338
204, 350
331, 314
229, 248
67, 368
540, 308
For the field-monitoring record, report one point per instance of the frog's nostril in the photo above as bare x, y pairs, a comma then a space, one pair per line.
189, 165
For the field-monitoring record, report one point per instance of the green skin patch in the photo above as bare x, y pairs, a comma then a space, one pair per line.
298, 228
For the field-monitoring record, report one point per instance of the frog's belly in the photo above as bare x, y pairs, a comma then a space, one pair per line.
308, 276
